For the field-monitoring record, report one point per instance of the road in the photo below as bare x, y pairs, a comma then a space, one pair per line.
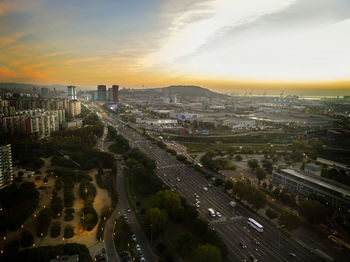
232, 227
121, 208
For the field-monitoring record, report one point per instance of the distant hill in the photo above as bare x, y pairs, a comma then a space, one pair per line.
21, 87
190, 91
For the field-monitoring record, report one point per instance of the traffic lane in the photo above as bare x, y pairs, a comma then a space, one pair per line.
133, 222
155, 151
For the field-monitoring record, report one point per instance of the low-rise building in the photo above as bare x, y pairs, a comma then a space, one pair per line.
329, 192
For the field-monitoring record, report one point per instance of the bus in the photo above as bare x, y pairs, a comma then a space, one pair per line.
254, 224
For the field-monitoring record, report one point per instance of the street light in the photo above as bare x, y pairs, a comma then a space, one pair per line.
279, 238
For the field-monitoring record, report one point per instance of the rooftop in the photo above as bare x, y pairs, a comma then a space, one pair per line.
316, 181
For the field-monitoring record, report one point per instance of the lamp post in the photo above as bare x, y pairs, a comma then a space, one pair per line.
151, 234
279, 239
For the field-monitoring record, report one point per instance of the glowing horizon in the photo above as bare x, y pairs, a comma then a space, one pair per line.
218, 44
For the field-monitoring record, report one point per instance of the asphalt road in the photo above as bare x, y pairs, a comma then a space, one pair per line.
121, 208
232, 226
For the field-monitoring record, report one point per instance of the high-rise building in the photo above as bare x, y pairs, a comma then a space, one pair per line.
101, 89
72, 94
115, 89
6, 170
74, 108
110, 94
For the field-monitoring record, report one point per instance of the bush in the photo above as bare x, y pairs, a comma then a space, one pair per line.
55, 229
68, 217
271, 214
69, 210
26, 239
89, 218
289, 220
87, 191
68, 231
43, 222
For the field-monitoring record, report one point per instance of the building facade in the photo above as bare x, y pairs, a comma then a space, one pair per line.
6, 170
39, 122
330, 193
72, 93
115, 91
74, 108
101, 92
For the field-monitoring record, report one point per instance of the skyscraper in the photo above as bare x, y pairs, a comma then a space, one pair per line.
6, 171
115, 93
101, 89
72, 94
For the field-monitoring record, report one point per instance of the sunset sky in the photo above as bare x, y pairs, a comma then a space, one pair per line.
224, 45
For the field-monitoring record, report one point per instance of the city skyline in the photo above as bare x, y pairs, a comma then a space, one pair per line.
220, 45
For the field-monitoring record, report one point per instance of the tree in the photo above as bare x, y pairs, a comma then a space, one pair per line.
270, 186
43, 222
207, 253
260, 174
219, 182
264, 185
68, 231
171, 202
267, 165
238, 158
313, 211
55, 229
155, 220
258, 200
253, 163
228, 184
271, 214
289, 220
56, 206
26, 239
186, 243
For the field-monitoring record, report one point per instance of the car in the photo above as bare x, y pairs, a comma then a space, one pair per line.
256, 241
196, 195
292, 255
178, 179
138, 248
197, 200
142, 259
218, 214
205, 188
128, 209
100, 258
133, 237
252, 258
242, 245
197, 205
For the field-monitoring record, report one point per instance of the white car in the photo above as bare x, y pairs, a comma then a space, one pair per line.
196, 195
218, 214
142, 259
138, 248
197, 205
178, 179
205, 188
133, 237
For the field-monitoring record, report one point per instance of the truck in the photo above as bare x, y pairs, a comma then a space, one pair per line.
232, 203
211, 212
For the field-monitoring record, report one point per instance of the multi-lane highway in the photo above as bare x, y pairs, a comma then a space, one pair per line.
232, 226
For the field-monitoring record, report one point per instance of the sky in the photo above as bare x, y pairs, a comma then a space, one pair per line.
224, 45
